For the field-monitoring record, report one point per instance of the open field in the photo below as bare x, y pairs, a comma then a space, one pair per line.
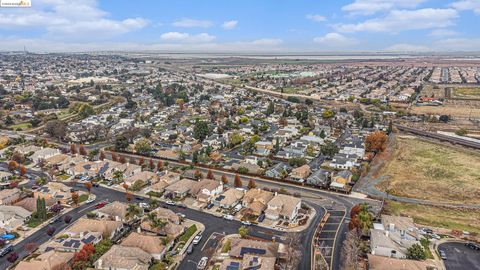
466, 92
432, 171
459, 110
464, 220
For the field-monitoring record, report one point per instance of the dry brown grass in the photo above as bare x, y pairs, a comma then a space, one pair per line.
463, 220
450, 109
432, 171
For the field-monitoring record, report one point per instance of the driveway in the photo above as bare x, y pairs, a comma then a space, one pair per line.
460, 257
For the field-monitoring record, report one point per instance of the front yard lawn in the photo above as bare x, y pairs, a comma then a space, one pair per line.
83, 197
188, 233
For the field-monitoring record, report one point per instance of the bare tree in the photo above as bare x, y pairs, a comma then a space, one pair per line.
351, 251
294, 250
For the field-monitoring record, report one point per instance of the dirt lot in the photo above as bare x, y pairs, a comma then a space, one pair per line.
464, 220
432, 171
453, 108
466, 92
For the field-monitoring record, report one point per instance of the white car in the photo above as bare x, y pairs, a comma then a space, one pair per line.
202, 263
144, 205
170, 202
228, 217
246, 223
197, 239
181, 215
90, 200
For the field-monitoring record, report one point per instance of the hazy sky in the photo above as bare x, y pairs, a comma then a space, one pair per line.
243, 25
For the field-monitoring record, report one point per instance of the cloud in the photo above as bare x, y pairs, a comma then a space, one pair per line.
370, 7
443, 33
316, 17
458, 44
334, 40
190, 23
401, 20
265, 42
229, 25
64, 19
186, 37
404, 47
467, 5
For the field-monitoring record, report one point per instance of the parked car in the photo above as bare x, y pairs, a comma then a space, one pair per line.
474, 246
90, 200
197, 239
181, 205
181, 215
170, 202
144, 205
209, 206
261, 218
190, 249
55, 219
202, 263
6, 249
228, 217
138, 198
246, 223
443, 255
95, 184
100, 204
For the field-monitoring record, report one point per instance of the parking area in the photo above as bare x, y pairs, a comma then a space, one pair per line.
326, 240
460, 257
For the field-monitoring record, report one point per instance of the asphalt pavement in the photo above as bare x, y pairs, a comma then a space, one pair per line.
460, 257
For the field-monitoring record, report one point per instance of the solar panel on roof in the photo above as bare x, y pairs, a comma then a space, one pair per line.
248, 250
89, 239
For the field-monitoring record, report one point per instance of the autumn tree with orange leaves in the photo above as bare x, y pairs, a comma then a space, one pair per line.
252, 184
12, 165
210, 174
224, 179
375, 141
83, 151
101, 156
237, 182
23, 170
73, 149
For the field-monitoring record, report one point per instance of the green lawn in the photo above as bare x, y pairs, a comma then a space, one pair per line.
428, 254
21, 126
188, 233
83, 197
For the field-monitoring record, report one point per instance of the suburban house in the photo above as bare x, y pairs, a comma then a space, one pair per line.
50, 260
54, 191
151, 244
382, 243
320, 178
381, 263
172, 227
346, 162
13, 216
145, 176
4, 176
113, 211
242, 247
300, 173
283, 207
74, 243
122, 257
108, 228
205, 189
341, 180
43, 153
180, 189
255, 201
278, 170
10, 196
229, 198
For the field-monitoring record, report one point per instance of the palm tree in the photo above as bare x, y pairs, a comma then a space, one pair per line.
155, 222
133, 210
